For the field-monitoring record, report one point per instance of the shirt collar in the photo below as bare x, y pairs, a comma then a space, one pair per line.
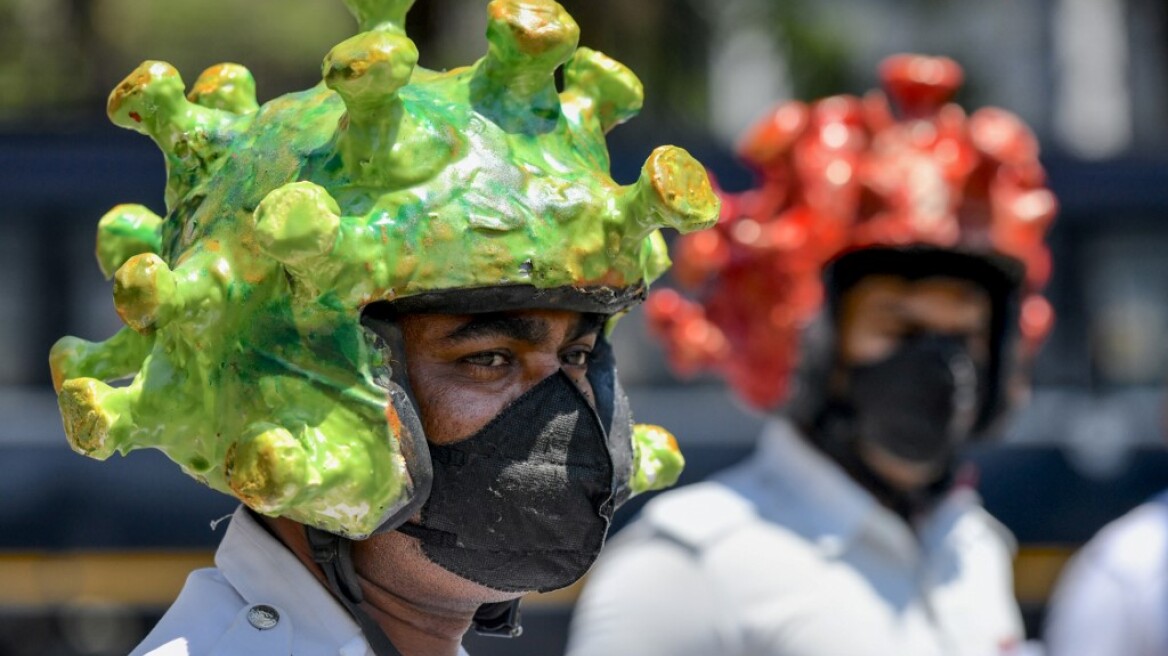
263, 570
836, 510
833, 505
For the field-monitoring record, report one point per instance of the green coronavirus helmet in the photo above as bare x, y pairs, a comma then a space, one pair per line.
482, 187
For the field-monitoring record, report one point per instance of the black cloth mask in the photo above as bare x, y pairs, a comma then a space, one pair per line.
922, 401
525, 503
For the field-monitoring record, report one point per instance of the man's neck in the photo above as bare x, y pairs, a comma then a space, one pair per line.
414, 623
416, 630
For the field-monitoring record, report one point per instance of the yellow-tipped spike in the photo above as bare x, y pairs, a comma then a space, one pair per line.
229, 87
144, 291
657, 460
266, 468
528, 40
117, 357
610, 90
673, 191
368, 69
380, 142
150, 100
89, 422
381, 15
126, 231
297, 223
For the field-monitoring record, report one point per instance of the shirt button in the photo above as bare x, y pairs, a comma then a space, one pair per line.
263, 617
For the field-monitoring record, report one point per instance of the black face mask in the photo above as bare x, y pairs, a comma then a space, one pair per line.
921, 402
524, 503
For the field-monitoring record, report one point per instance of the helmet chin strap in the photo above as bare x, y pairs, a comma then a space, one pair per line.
334, 554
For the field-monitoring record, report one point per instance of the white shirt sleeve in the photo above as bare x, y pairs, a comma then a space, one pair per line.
1089, 615
647, 597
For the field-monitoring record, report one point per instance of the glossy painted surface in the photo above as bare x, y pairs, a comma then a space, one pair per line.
657, 460
247, 362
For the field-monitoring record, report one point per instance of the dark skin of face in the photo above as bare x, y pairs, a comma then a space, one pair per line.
878, 313
464, 370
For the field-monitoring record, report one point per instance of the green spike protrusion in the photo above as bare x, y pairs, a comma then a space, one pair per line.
192, 137
528, 40
602, 87
229, 87
368, 69
117, 357
126, 231
380, 15
298, 224
673, 191
250, 365
380, 141
94, 416
657, 461
144, 292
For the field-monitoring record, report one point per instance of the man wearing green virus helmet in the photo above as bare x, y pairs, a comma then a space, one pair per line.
376, 313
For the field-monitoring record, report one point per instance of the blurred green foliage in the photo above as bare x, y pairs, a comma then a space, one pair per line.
59, 57
816, 50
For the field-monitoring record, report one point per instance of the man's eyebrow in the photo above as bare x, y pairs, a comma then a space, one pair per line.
589, 322
525, 329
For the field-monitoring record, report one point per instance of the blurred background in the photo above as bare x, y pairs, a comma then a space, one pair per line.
91, 553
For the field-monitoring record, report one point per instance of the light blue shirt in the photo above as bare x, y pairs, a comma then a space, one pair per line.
258, 600
787, 555
1112, 598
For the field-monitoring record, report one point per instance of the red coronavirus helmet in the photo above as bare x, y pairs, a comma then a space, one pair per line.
898, 171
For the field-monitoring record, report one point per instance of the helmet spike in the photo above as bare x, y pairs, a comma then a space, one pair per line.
602, 87
527, 41
658, 460
150, 101
673, 191
380, 15
920, 85
267, 467
117, 357
298, 225
367, 71
145, 290
94, 416
229, 87
125, 231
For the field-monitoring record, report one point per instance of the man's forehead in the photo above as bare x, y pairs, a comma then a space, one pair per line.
891, 288
527, 325
945, 298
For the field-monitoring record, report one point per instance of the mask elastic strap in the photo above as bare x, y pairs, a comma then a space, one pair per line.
335, 556
433, 536
498, 620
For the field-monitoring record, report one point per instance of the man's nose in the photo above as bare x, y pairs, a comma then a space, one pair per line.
549, 366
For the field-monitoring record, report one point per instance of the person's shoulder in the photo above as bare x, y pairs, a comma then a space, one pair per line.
698, 514
972, 525
1134, 545
209, 616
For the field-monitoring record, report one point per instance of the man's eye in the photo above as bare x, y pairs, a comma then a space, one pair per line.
490, 359
577, 358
